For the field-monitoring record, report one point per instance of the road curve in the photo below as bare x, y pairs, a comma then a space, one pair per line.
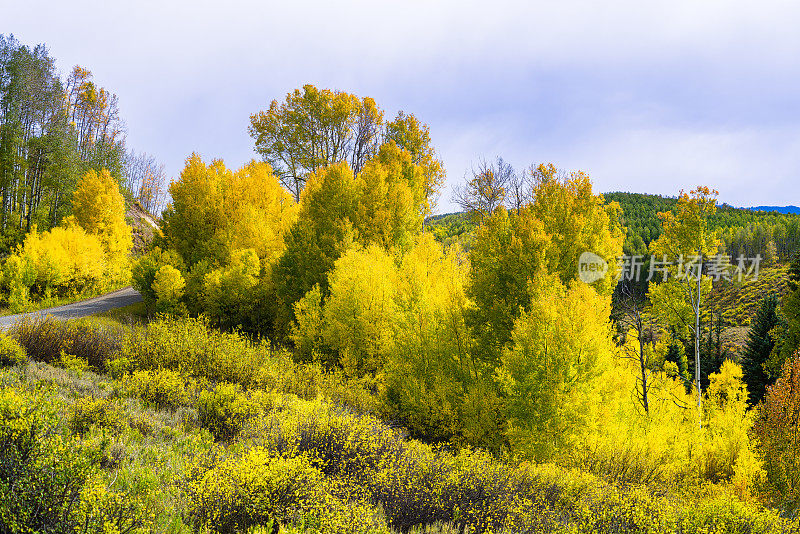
116, 299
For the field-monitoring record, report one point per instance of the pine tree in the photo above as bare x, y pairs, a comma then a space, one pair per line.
794, 271
759, 346
677, 355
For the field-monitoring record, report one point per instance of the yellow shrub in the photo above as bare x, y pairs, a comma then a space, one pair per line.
727, 451
11, 352
226, 409
63, 260
88, 412
189, 346
161, 388
168, 286
260, 488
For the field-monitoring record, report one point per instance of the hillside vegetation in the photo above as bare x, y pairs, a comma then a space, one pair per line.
315, 357
200, 431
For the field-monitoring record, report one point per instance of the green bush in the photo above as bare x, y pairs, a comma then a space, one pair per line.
11, 352
48, 481
225, 410
162, 388
260, 488
88, 412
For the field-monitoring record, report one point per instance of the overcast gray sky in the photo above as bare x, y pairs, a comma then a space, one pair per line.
644, 96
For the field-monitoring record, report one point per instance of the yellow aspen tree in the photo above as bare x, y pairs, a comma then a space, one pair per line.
99, 208
552, 374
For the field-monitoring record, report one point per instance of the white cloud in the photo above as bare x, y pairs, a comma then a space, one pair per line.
649, 96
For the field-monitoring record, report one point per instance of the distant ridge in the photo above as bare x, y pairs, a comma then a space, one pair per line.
779, 209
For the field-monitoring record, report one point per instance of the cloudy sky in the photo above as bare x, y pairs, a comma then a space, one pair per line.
644, 96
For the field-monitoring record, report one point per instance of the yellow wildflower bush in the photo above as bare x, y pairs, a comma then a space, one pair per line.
60, 262
260, 488
189, 346
160, 388
11, 352
88, 412
49, 479
226, 409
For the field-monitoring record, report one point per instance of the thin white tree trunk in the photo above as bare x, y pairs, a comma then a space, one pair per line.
697, 346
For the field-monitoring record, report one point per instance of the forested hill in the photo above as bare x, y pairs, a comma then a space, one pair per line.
743, 231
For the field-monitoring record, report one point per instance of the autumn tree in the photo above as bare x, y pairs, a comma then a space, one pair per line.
728, 454
382, 205
686, 236
565, 220
577, 221
323, 232
313, 129
215, 211
146, 180
191, 222
485, 188
354, 330
434, 382
640, 331
144, 270
508, 251
52, 131
229, 229
57, 262
777, 429
229, 293
413, 136
552, 371
98, 207
168, 286
360, 313
392, 199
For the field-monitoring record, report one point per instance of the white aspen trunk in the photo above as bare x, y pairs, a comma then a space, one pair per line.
697, 346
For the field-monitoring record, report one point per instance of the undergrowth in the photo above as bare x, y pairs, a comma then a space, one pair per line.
208, 432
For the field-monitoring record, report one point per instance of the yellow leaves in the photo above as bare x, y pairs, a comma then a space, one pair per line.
215, 211
360, 312
258, 211
727, 453
577, 221
553, 373
313, 129
57, 259
391, 199
168, 285
98, 207
687, 230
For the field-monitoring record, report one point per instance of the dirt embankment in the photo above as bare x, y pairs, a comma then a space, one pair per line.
143, 225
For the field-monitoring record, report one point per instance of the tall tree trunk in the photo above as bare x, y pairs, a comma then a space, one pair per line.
697, 346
